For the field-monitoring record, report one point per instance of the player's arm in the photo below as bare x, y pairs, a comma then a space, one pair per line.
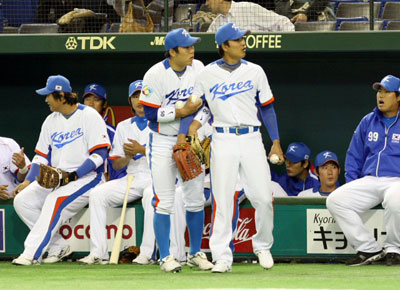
132, 150
20, 160
355, 155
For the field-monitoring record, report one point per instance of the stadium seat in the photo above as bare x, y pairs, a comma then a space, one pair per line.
355, 19
10, 29
204, 26
393, 25
186, 26
348, 10
181, 12
114, 27
359, 26
391, 10
39, 28
315, 26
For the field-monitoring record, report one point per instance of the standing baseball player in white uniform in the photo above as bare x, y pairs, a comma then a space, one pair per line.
14, 166
76, 138
128, 151
372, 177
164, 84
235, 90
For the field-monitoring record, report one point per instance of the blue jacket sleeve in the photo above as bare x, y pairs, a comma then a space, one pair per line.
269, 118
150, 113
355, 156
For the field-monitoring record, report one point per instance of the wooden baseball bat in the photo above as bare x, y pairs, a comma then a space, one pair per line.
118, 237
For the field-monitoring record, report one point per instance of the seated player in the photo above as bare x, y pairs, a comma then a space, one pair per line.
327, 169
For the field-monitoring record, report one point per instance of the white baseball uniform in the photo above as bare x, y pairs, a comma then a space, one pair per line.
9, 170
70, 140
112, 193
237, 148
162, 88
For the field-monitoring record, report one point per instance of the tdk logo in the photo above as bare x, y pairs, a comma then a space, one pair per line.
90, 43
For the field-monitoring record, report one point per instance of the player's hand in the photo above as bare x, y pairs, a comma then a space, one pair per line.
301, 17
189, 108
20, 187
3, 192
277, 149
19, 159
132, 148
196, 125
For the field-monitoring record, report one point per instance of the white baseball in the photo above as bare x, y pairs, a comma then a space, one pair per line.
179, 104
194, 99
274, 159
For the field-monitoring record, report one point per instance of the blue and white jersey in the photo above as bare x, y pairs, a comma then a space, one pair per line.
136, 129
374, 149
162, 87
71, 139
234, 97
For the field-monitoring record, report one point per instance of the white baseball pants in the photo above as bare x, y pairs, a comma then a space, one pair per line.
352, 199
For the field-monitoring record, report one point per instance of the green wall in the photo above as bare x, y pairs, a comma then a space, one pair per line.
321, 82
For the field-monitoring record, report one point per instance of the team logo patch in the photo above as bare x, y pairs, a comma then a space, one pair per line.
58, 87
60, 139
224, 91
396, 138
146, 91
2, 231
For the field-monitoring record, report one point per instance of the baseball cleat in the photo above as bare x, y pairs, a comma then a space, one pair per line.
143, 260
221, 267
265, 259
363, 258
92, 260
169, 264
22, 261
392, 259
57, 257
199, 260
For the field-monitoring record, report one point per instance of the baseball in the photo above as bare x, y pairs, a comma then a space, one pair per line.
194, 99
274, 159
179, 104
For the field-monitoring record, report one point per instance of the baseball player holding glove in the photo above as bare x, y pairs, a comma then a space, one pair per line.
235, 90
372, 177
76, 138
164, 85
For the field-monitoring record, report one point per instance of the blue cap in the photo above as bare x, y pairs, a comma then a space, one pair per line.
56, 83
179, 37
297, 151
229, 31
135, 86
389, 82
325, 156
95, 89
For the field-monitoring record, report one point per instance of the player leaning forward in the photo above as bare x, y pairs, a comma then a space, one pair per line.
234, 90
372, 177
75, 137
164, 84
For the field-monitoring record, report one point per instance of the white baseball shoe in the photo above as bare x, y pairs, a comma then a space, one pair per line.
57, 257
221, 267
92, 260
143, 260
265, 259
22, 261
199, 260
169, 264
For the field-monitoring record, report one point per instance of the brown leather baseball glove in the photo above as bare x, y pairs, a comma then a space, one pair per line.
188, 163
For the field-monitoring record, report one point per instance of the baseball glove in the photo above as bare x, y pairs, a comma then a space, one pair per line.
49, 177
188, 163
129, 254
196, 147
205, 144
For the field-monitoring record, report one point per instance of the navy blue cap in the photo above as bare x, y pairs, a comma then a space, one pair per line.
135, 86
95, 89
56, 83
389, 82
179, 37
229, 31
297, 151
325, 156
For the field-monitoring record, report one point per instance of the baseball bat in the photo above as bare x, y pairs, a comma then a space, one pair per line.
118, 237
